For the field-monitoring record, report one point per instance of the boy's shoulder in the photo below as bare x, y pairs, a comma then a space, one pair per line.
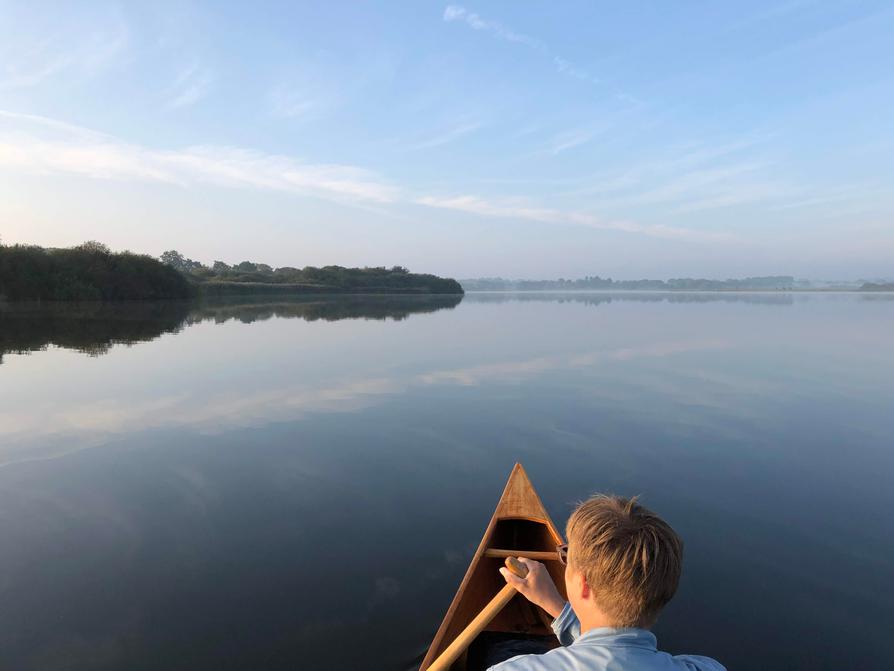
699, 663
576, 658
558, 659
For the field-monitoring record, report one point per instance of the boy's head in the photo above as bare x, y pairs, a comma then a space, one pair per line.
623, 558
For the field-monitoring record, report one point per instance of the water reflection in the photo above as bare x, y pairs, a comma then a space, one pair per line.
271, 480
93, 328
330, 309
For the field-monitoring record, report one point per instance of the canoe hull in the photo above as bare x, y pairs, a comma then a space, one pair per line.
520, 526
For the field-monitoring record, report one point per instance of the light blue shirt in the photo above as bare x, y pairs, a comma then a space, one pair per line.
605, 649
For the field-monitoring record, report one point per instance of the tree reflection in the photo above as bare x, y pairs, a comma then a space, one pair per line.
395, 308
93, 328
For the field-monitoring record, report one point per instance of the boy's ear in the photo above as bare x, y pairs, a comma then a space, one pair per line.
579, 585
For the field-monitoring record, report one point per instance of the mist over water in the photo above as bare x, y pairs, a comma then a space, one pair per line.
302, 484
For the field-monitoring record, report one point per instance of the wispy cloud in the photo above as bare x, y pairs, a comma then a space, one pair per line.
447, 136
474, 21
56, 50
573, 138
714, 185
516, 209
702, 176
46, 146
736, 193
690, 178
456, 13
308, 90
290, 103
845, 201
568, 68
190, 86
680, 186
774, 13
40, 145
838, 194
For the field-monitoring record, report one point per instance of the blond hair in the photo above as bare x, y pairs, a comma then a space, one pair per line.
629, 556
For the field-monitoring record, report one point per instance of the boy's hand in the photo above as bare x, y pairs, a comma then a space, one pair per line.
538, 587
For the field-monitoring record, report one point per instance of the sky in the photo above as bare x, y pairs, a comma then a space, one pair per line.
518, 139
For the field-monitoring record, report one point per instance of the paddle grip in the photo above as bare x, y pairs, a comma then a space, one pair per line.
516, 567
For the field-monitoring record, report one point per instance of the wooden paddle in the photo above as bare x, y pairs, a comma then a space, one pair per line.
477, 625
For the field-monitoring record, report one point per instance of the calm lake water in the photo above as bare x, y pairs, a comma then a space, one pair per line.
301, 485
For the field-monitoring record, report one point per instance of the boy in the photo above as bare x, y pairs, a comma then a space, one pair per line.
622, 566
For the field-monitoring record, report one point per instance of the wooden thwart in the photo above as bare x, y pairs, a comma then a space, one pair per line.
527, 554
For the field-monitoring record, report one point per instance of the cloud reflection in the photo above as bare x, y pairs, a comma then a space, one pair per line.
90, 423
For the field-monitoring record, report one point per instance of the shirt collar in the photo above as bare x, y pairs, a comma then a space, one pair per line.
622, 638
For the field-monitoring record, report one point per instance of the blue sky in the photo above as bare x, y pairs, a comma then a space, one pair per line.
522, 139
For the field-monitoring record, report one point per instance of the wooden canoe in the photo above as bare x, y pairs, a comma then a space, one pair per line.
520, 527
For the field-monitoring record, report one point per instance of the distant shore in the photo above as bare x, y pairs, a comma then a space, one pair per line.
769, 283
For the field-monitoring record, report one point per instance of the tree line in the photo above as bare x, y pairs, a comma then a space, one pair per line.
220, 278
92, 272
88, 272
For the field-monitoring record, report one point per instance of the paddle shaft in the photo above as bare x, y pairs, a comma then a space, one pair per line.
477, 625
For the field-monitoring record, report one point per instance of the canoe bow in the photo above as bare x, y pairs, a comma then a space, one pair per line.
520, 526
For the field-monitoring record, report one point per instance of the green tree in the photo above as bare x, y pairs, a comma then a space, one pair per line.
94, 247
173, 258
86, 273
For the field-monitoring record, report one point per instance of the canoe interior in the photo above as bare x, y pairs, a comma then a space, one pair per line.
493, 647
520, 617
520, 526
